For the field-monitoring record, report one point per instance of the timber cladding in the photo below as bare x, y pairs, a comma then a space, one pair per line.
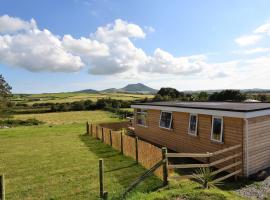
179, 140
258, 144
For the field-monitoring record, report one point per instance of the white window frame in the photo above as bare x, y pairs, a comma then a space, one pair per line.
170, 128
196, 129
222, 135
142, 111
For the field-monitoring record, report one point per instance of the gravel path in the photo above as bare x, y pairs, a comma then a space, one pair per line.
257, 190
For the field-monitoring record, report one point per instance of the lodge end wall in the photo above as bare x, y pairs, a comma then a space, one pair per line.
258, 144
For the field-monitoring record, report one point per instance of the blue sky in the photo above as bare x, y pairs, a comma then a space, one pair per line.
54, 46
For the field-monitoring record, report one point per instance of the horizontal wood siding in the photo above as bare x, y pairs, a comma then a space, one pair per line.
258, 143
179, 140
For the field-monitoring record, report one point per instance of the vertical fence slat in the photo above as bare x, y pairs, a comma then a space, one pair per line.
87, 128
136, 150
102, 134
111, 137
122, 142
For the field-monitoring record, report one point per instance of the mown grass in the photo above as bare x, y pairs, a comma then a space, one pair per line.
71, 117
60, 162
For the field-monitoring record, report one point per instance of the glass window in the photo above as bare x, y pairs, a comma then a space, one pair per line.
141, 117
193, 121
217, 129
165, 120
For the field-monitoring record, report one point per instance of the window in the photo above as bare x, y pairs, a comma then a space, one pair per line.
217, 129
141, 117
193, 122
165, 120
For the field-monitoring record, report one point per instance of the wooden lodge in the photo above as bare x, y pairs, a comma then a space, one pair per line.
201, 127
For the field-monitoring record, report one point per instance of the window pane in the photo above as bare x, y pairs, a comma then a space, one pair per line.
192, 124
141, 117
165, 120
217, 135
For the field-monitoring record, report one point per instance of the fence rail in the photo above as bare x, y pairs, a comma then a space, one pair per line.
219, 161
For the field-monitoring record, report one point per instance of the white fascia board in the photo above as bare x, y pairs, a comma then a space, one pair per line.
206, 111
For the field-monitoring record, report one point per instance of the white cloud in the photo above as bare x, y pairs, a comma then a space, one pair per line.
13, 24
35, 50
257, 50
85, 46
247, 40
108, 51
265, 28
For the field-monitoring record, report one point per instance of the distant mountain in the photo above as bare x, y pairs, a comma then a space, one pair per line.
130, 88
138, 88
87, 91
110, 90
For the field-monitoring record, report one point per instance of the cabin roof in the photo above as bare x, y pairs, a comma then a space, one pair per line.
222, 106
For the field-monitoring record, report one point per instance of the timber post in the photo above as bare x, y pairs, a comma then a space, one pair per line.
101, 178
2, 187
111, 137
102, 134
165, 166
87, 127
136, 150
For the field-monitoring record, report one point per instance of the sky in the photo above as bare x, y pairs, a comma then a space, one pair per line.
60, 46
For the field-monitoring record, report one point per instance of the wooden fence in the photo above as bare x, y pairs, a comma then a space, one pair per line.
219, 163
143, 152
2, 187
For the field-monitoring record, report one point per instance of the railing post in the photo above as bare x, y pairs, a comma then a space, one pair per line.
111, 137
101, 178
165, 166
136, 150
2, 187
87, 128
122, 147
102, 134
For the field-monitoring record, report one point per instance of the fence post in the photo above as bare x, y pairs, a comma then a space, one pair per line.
101, 178
111, 137
122, 147
102, 134
136, 150
87, 128
2, 187
91, 130
165, 166
96, 131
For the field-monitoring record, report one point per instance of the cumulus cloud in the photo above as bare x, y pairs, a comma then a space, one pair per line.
247, 40
108, 51
13, 24
85, 46
37, 51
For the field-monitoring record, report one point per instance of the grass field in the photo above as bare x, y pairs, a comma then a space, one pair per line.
57, 161
71, 117
71, 97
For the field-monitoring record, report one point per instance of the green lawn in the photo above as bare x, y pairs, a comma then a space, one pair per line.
59, 162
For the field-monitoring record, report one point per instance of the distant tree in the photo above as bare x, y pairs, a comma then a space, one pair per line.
170, 92
262, 97
228, 95
5, 94
202, 96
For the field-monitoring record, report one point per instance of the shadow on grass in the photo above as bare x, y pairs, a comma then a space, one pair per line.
120, 168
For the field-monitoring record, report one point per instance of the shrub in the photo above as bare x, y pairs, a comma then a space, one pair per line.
18, 122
